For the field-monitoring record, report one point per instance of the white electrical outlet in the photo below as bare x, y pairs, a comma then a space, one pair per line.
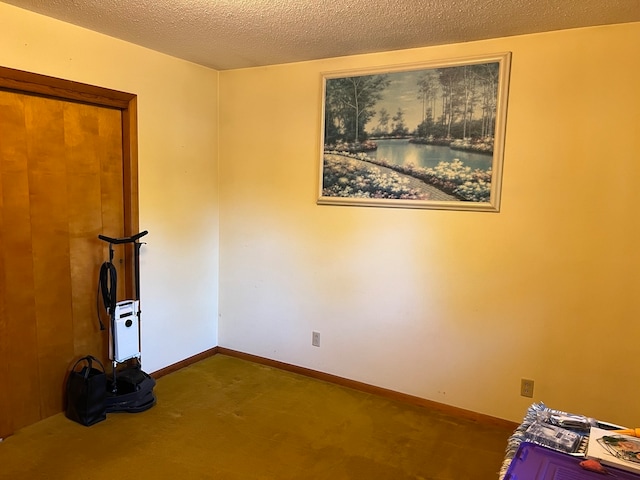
526, 388
315, 339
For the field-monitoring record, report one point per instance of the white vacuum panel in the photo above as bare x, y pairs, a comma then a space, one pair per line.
126, 330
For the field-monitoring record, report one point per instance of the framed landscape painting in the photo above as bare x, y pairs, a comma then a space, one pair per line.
427, 135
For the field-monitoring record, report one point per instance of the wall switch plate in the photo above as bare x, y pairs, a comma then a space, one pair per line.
315, 339
526, 388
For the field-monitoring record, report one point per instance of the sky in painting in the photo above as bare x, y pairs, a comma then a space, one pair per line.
401, 93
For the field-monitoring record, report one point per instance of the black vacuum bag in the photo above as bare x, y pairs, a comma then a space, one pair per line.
86, 392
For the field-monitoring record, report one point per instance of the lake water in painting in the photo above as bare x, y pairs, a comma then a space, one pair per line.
401, 152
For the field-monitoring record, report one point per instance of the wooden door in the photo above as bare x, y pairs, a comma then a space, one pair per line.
65, 177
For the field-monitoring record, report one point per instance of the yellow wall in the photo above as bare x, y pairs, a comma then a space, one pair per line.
451, 306
177, 130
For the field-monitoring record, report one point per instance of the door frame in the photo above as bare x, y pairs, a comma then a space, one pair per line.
22, 82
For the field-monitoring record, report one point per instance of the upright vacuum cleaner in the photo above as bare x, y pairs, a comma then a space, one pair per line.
129, 389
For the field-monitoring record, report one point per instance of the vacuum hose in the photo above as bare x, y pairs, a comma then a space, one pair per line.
107, 285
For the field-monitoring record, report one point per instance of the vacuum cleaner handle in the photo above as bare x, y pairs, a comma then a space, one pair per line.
130, 239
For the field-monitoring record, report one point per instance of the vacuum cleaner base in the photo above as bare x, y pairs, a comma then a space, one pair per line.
134, 392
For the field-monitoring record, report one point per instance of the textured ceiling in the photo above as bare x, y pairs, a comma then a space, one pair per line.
227, 34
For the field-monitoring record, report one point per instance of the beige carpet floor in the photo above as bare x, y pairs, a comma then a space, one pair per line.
231, 419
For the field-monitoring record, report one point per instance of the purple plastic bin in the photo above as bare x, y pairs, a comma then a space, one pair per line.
535, 462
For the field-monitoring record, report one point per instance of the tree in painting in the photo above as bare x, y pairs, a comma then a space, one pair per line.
467, 98
349, 106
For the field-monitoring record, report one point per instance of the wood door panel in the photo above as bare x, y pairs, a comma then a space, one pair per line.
61, 179
113, 211
44, 119
52, 279
21, 344
6, 423
20, 340
89, 143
